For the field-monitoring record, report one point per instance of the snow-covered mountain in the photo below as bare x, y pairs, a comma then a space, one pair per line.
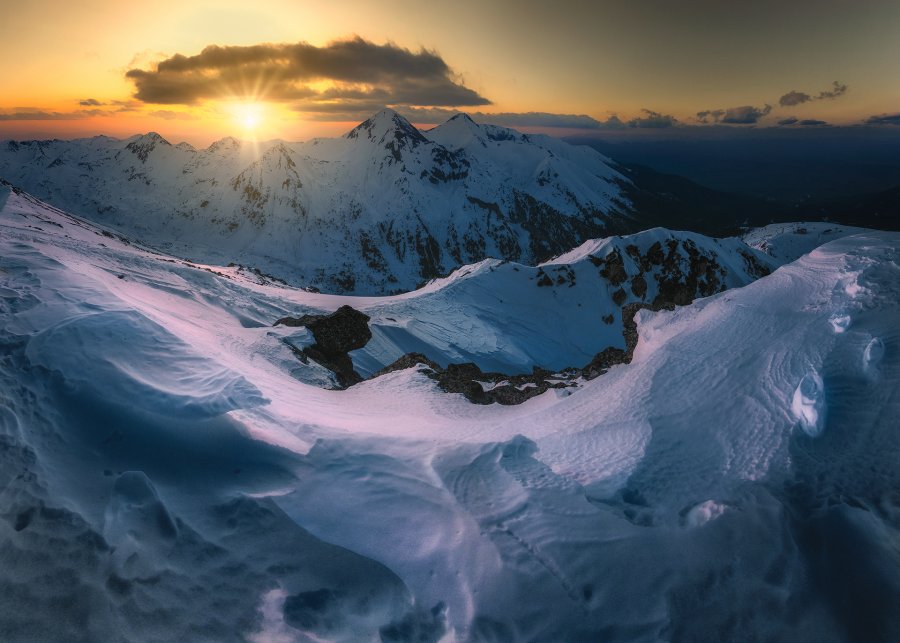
382, 209
173, 466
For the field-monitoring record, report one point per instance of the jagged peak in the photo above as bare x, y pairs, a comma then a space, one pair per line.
225, 143
384, 125
142, 144
150, 137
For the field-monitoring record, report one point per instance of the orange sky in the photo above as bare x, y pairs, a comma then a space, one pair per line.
571, 57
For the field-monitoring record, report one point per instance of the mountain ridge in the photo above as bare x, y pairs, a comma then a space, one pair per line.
380, 210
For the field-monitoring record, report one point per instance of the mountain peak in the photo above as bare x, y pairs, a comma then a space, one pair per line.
143, 144
385, 126
462, 117
457, 132
227, 143
152, 137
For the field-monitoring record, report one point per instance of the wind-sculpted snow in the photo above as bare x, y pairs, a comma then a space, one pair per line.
167, 377
170, 469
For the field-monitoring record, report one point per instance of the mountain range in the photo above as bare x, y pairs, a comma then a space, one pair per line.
383, 209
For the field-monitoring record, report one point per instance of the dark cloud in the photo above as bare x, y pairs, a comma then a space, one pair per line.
710, 115
838, 89
794, 98
363, 72
884, 119
90, 102
806, 122
744, 115
653, 120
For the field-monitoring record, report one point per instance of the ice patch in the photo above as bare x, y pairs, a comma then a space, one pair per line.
808, 404
840, 323
703, 513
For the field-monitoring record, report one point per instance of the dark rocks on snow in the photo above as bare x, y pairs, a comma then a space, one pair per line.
639, 286
467, 379
344, 330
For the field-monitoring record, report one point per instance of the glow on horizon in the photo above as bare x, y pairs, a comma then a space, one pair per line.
67, 64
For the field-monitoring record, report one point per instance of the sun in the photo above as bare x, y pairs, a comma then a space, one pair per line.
248, 115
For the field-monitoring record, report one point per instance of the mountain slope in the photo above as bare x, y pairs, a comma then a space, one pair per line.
159, 439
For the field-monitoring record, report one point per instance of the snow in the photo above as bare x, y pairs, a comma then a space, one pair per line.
408, 207
808, 404
789, 241
170, 470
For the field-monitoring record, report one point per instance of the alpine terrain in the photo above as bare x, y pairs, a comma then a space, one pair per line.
656, 436
381, 210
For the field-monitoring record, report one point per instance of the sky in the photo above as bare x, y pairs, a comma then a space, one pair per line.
295, 69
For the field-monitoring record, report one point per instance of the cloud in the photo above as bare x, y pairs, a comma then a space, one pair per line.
838, 89
884, 119
34, 114
90, 102
806, 122
794, 98
744, 115
710, 115
653, 120
170, 115
37, 114
362, 72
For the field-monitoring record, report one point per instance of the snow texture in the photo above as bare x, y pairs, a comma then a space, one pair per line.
170, 470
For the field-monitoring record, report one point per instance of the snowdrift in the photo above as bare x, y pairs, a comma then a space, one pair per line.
169, 469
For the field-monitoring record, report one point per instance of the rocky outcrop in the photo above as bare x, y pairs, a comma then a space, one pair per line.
344, 330
481, 387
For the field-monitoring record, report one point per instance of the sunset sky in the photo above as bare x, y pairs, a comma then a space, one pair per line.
197, 71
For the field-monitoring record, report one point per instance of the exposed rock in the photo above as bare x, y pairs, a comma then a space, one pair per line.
407, 361
639, 286
337, 334
467, 379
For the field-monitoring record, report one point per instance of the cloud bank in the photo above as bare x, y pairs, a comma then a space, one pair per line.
742, 115
363, 74
884, 119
